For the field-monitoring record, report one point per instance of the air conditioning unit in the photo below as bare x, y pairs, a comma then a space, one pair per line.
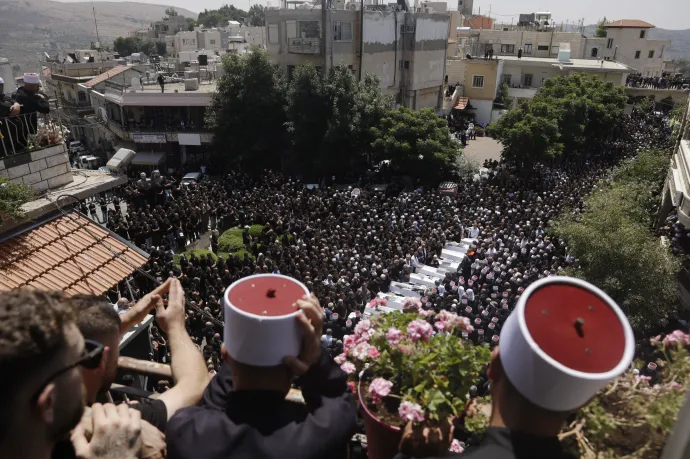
191, 84
353, 6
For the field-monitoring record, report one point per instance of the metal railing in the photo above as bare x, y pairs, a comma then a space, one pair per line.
304, 46
30, 132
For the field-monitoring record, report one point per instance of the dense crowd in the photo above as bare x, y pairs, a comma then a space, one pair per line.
347, 249
666, 81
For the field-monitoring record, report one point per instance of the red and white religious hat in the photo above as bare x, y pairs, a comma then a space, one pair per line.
564, 341
261, 328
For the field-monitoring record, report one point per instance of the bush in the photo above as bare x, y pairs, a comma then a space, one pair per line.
256, 230
240, 254
479, 131
231, 240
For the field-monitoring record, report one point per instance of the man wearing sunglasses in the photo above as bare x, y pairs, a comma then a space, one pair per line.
98, 321
41, 354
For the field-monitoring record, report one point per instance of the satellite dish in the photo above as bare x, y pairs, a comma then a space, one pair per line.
356, 192
136, 84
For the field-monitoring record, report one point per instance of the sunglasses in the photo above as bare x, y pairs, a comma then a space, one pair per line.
91, 359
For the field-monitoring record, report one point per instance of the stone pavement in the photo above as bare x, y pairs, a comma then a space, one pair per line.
483, 148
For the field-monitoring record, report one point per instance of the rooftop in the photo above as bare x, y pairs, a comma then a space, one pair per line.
69, 253
107, 75
632, 23
581, 64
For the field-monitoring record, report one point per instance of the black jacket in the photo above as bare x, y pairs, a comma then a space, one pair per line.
31, 103
261, 424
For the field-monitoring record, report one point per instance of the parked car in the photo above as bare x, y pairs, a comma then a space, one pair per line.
193, 178
76, 147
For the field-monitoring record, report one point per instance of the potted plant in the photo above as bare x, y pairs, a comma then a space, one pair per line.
411, 366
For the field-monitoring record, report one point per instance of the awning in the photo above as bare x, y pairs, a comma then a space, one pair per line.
70, 253
463, 102
148, 158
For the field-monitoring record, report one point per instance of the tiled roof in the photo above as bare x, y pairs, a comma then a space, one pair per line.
634, 23
62, 255
107, 75
479, 22
462, 103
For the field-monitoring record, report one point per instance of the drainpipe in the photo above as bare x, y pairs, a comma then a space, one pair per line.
361, 37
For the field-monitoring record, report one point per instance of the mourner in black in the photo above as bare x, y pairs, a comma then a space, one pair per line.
7, 106
244, 413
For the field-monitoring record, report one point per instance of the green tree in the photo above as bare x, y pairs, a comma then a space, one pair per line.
417, 143
125, 46
616, 249
246, 114
170, 12
161, 49
191, 23
503, 97
583, 107
257, 15
147, 47
12, 196
600, 32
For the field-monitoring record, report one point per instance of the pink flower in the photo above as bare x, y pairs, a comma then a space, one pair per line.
419, 329
425, 313
411, 302
411, 412
405, 349
351, 385
349, 342
644, 379
379, 388
340, 359
362, 326
677, 337
348, 367
456, 447
655, 341
362, 351
376, 302
373, 353
393, 335
440, 326
676, 386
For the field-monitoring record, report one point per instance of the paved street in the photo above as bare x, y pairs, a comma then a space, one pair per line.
483, 148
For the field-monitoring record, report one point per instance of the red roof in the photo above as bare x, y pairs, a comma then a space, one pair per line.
462, 103
63, 254
632, 23
106, 75
480, 22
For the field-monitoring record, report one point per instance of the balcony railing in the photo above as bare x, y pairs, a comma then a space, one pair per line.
304, 46
29, 132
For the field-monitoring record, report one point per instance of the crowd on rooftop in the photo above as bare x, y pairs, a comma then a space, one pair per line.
665, 81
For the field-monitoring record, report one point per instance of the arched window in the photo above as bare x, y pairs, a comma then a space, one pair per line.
595, 52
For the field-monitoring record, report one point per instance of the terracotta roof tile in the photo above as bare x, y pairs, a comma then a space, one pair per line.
106, 75
62, 255
633, 23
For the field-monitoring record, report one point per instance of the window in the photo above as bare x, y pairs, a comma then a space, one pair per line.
507, 78
508, 49
309, 29
554, 50
651, 54
213, 42
609, 43
404, 65
637, 54
528, 80
595, 52
642, 33
527, 48
273, 33
342, 31
543, 48
82, 96
478, 81
407, 64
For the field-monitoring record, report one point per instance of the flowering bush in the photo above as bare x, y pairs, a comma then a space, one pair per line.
419, 368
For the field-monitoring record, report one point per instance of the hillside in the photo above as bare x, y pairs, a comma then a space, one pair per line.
680, 42
30, 27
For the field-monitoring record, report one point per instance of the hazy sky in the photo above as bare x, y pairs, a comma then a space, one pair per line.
667, 14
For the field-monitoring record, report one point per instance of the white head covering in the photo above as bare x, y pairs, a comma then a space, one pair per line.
32, 78
2, 81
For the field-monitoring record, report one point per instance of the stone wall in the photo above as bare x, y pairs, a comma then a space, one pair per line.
40, 169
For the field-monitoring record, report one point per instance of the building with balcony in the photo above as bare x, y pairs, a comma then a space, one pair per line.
406, 50
677, 187
165, 129
481, 79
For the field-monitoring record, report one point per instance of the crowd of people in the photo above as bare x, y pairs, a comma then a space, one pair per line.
345, 247
665, 81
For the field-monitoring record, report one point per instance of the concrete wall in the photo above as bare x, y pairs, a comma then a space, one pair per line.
540, 73
520, 38
482, 112
490, 70
383, 47
455, 69
40, 169
431, 40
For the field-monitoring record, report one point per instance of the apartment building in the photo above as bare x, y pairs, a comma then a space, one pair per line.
481, 79
627, 41
677, 187
165, 129
406, 50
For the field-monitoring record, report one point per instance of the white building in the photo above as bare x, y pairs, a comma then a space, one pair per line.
628, 42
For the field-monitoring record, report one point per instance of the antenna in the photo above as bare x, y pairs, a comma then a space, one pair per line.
95, 22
